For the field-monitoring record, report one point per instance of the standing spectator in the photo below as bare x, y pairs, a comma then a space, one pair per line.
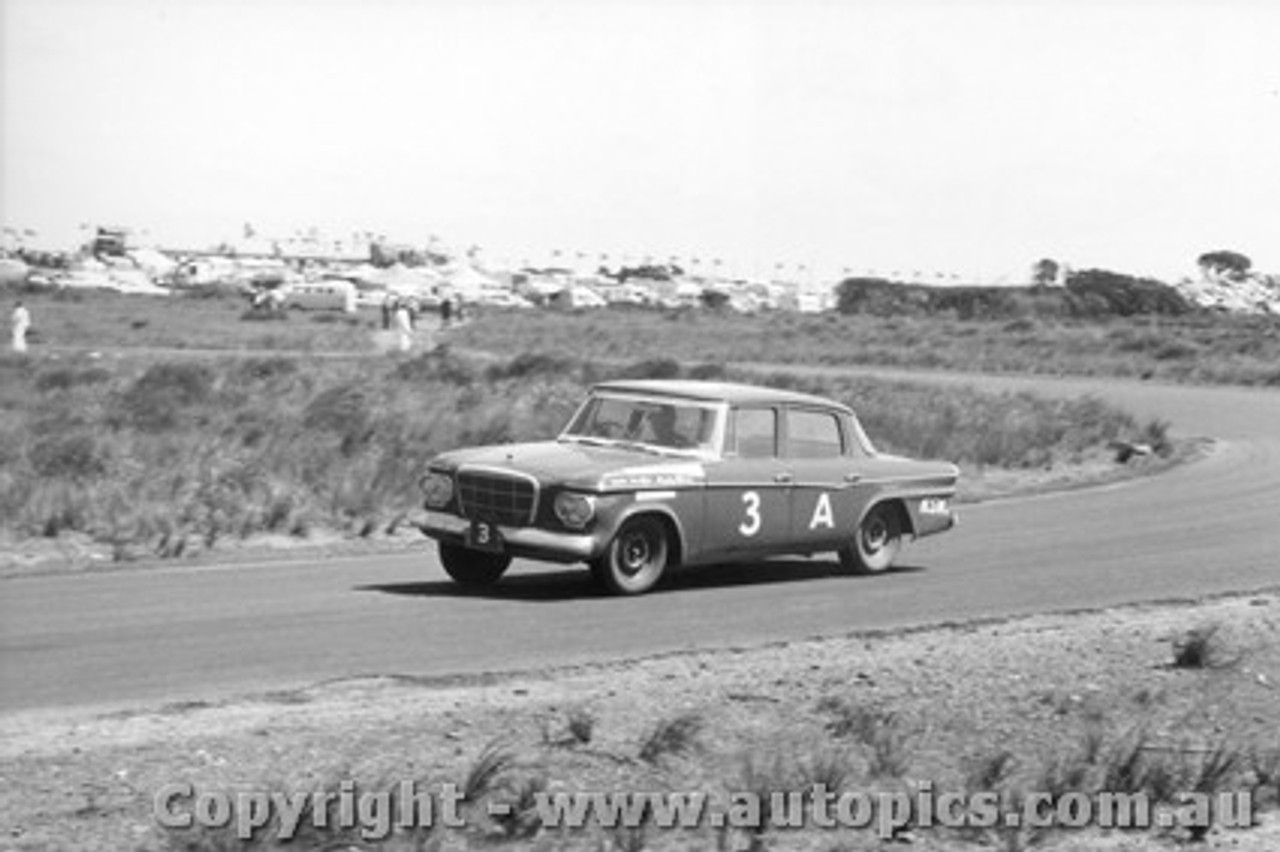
446, 311
21, 323
386, 311
404, 325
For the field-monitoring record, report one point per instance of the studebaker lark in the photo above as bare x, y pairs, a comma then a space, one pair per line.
652, 474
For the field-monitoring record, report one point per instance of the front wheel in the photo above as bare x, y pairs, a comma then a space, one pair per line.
876, 544
470, 567
636, 558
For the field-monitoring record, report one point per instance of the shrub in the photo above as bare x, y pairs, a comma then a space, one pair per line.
75, 456
264, 369
532, 364
65, 378
653, 368
581, 725
1098, 292
708, 372
441, 366
185, 382
156, 401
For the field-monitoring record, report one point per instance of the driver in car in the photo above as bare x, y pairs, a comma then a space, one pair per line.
662, 428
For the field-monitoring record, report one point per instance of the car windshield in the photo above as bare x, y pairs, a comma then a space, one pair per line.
644, 423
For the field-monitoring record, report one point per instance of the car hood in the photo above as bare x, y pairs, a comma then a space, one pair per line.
580, 465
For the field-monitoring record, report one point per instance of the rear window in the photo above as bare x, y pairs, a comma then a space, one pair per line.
755, 433
813, 435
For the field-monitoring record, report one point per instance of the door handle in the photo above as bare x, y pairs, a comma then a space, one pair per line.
852, 477
784, 476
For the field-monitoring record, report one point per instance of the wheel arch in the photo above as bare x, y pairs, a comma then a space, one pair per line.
897, 505
670, 522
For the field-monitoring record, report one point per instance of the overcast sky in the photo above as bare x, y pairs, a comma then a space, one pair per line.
965, 136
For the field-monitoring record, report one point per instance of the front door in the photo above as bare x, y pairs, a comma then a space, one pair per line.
749, 489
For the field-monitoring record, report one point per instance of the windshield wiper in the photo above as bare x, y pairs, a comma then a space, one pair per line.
584, 439
641, 446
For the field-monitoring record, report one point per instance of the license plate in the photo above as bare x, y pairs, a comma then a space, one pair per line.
484, 536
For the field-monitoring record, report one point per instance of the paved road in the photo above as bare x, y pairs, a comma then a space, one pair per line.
137, 638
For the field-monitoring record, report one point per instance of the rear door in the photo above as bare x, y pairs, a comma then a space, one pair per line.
749, 489
826, 497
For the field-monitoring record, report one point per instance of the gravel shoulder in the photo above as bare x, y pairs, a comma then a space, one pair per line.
988, 705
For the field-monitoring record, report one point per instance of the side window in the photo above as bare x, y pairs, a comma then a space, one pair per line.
755, 433
813, 435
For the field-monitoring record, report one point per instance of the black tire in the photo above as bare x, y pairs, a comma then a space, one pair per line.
877, 542
470, 567
636, 559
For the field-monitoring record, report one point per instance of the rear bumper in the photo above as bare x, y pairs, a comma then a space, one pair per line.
529, 542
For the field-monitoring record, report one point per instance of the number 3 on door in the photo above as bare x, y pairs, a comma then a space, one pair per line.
751, 503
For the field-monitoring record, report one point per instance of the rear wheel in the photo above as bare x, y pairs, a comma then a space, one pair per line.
877, 542
636, 558
470, 567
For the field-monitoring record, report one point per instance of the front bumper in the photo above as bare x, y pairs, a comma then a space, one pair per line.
530, 542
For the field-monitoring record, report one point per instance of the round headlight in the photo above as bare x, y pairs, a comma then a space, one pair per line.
437, 489
574, 510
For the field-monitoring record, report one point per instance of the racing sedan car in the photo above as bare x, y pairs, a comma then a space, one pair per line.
651, 474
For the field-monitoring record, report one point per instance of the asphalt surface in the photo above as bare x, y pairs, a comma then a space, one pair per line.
139, 638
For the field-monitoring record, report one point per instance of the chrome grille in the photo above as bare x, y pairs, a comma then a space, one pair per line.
503, 498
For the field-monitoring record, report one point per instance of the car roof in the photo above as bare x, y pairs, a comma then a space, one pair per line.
735, 393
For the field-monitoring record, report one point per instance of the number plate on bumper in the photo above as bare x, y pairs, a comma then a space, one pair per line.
483, 535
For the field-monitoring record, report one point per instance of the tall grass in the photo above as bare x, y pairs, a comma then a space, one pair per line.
166, 456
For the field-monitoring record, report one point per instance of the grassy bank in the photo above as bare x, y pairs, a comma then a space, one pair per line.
162, 456
1205, 348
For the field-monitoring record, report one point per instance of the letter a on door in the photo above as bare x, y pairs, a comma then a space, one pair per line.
822, 514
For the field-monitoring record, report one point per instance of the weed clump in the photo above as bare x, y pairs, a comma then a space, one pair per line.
1201, 648
671, 736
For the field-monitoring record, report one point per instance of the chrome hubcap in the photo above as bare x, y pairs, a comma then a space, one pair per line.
635, 553
875, 536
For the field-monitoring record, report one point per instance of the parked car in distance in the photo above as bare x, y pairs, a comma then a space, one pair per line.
333, 294
503, 299
653, 474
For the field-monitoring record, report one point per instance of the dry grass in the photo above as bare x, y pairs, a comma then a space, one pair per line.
163, 456
1205, 348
